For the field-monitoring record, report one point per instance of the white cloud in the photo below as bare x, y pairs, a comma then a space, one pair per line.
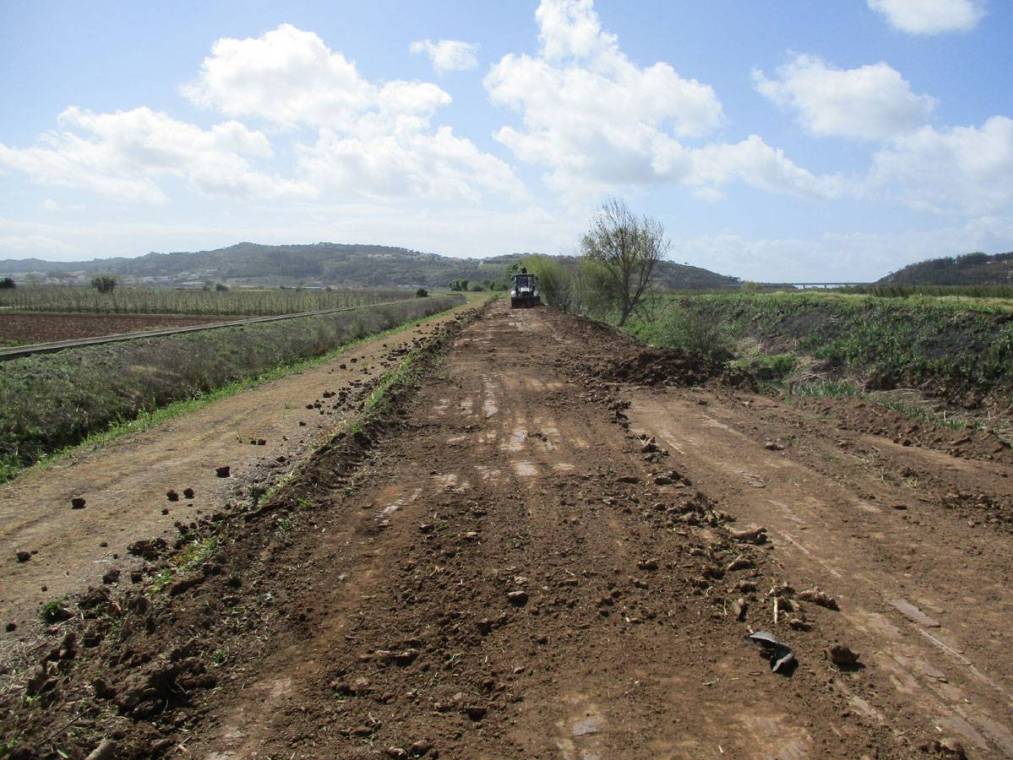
291, 78
122, 155
448, 55
373, 139
930, 16
595, 120
871, 102
959, 169
434, 165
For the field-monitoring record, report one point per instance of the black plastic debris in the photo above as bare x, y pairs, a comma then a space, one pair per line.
782, 659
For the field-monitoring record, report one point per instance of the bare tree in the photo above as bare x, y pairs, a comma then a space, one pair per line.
626, 249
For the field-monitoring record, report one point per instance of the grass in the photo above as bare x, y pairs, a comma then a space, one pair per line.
826, 389
54, 404
1004, 292
953, 343
196, 554
51, 611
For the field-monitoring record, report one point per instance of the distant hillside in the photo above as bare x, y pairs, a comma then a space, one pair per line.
323, 263
970, 269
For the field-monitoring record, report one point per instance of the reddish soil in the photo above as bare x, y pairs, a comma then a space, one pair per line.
46, 327
525, 560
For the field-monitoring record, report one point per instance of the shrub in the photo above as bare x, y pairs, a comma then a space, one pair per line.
421, 293
104, 283
7, 283
679, 327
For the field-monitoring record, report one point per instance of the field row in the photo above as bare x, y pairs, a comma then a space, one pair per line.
17, 329
192, 302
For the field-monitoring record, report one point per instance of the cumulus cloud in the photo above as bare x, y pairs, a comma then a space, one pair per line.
372, 138
594, 119
871, 102
434, 165
956, 170
929, 17
290, 77
122, 155
448, 55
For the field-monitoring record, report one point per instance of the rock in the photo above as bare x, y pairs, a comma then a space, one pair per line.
773, 446
261, 441
739, 608
148, 549
111, 576
397, 752
104, 751
419, 748
648, 564
102, 689
753, 535
11, 627
843, 657
815, 596
185, 584
77, 503
475, 712
740, 563
946, 747
223, 472
23, 556
171, 495
187, 493
517, 598
405, 657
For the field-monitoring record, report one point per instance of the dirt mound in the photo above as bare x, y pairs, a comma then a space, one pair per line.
668, 366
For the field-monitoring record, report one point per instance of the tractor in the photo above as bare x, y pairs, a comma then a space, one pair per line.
524, 290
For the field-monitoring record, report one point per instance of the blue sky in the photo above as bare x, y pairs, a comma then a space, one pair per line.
775, 140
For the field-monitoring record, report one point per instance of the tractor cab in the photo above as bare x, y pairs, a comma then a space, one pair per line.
524, 290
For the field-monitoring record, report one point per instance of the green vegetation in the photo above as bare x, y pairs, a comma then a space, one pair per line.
936, 291
104, 283
7, 283
52, 611
162, 579
977, 269
196, 554
59, 298
951, 345
54, 401
826, 389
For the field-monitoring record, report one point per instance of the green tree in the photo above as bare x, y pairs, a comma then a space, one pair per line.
7, 283
104, 283
627, 249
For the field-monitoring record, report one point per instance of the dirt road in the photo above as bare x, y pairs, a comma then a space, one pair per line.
521, 571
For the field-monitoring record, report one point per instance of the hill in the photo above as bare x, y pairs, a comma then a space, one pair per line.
969, 269
350, 265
